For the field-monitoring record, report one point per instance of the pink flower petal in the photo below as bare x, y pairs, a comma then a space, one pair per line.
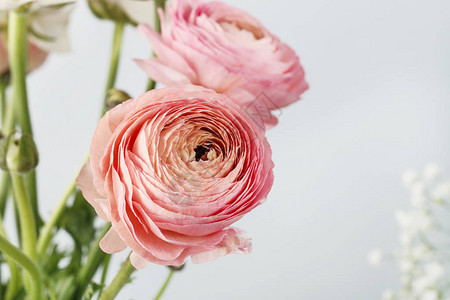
161, 73
86, 183
137, 261
112, 243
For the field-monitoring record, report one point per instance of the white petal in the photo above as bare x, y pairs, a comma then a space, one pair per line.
52, 23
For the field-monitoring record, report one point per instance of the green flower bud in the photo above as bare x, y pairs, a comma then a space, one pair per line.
177, 268
21, 153
115, 97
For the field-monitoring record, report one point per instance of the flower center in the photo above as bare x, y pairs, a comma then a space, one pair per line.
242, 29
201, 152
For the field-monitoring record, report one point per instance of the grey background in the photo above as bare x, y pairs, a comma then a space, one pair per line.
379, 102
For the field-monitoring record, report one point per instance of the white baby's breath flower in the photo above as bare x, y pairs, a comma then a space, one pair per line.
406, 239
420, 285
420, 252
434, 271
418, 196
441, 191
406, 265
409, 177
375, 257
413, 222
430, 295
420, 257
403, 218
388, 295
431, 172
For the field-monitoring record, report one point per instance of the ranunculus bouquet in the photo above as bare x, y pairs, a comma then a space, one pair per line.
168, 171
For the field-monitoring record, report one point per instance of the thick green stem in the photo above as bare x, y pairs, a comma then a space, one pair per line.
31, 184
95, 257
47, 231
115, 55
18, 60
18, 48
28, 230
9, 121
16, 254
164, 286
122, 277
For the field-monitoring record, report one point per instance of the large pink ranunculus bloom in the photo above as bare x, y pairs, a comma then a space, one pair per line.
223, 48
36, 56
172, 170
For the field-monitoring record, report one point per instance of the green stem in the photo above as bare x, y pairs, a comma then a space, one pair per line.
14, 279
115, 55
3, 86
26, 216
31, 184
122, 277
47, 231
4, 191
104, 273
36, 280
164, 286
7, 124
158, 4
18, 47
151, 85
9, 121
94, 259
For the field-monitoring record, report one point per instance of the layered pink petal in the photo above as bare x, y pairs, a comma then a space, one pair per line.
172, 170
223, 48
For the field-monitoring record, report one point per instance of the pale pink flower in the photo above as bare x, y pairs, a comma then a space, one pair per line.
224, 48
36, 56
172, 170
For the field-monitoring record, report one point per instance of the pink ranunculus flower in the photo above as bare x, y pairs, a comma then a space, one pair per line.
172, 170
36, 56
224, 48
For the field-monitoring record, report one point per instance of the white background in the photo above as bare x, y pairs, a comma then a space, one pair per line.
379, 73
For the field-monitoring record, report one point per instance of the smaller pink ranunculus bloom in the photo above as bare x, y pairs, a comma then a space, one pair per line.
36, 56
172, 170
224, 48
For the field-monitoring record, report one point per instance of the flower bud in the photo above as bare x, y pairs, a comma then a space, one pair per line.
177, 268
115, 97
21, 153
120, 11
